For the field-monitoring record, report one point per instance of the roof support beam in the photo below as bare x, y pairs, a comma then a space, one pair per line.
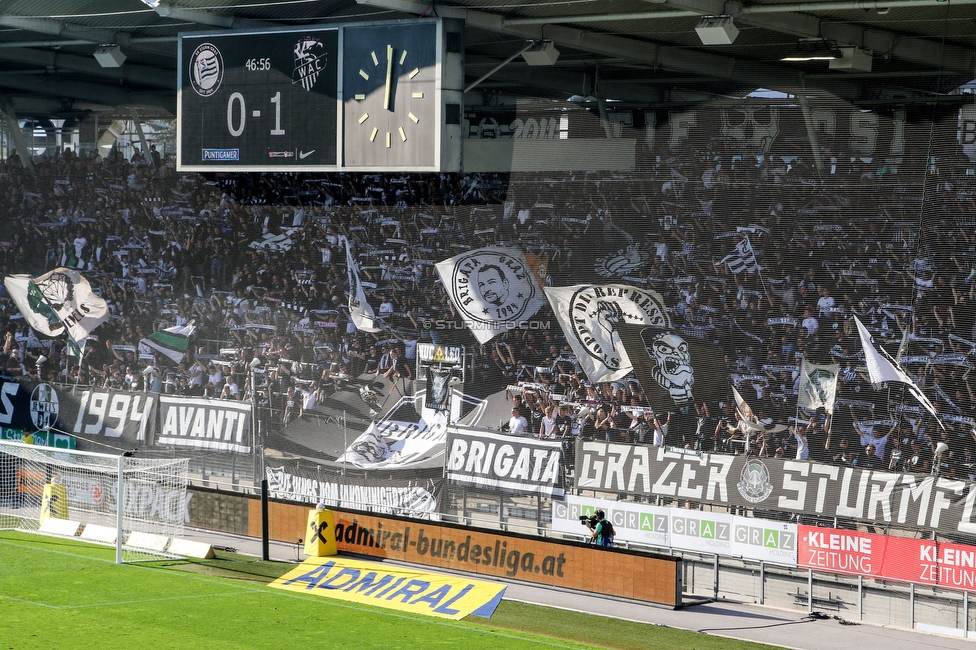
150, 76
715, 66
788, 19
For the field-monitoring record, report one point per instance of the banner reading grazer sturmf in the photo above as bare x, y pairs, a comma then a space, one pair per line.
394, 587
674, 370
507, 463
792, 486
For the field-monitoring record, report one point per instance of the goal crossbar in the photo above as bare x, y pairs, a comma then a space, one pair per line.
136, 504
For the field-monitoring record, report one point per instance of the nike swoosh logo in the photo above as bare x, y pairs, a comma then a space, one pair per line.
302, 155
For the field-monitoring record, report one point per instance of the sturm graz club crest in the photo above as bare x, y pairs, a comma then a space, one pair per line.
206, 69
596, 311
44, 407
490, 286
754, 484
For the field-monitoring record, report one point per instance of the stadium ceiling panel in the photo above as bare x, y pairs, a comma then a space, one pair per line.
641, 52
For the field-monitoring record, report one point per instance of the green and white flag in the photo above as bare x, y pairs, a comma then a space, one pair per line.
58, 302
818, 386
172, 342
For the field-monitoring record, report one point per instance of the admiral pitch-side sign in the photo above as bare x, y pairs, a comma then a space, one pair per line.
794, 486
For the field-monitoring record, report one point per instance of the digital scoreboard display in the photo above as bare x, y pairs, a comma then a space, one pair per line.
259, 100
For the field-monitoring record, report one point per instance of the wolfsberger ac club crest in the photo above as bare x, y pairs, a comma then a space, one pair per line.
44, 407
490, 286
310, 60
754, 484
597, 310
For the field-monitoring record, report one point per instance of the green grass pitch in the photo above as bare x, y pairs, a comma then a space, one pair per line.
57, 593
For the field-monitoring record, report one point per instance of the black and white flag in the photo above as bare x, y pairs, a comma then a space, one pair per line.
742, 258
493, 289
589, 316
359, 310
674, 370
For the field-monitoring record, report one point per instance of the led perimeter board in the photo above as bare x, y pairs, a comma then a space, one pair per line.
357, 96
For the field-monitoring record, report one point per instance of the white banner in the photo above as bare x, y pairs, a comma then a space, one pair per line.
509, 463
589, 315
390, 444
637, 523
493, 289
200, 423
714, 533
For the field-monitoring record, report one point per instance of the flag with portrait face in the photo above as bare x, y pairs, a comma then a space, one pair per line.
493, 289
674, 368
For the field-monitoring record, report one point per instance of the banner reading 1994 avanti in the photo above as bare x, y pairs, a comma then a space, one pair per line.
793, 486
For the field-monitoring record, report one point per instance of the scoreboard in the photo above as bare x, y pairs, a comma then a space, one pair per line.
381, 96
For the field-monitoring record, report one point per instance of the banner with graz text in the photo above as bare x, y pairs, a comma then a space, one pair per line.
791, 486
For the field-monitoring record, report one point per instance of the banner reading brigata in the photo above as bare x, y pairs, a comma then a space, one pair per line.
507, 463
796, 486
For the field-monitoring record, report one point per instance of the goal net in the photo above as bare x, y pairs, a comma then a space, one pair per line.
78, 494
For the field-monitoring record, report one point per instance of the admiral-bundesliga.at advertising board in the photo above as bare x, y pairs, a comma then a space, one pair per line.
793, 486
502, 462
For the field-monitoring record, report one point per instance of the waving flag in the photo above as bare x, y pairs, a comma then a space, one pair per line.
818, 386
674, 369
745, 411
359, 310
494, 289
58, 302
171, 342
880, 370
589, 316
742, 258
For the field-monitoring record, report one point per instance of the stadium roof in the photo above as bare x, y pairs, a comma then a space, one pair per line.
642, 52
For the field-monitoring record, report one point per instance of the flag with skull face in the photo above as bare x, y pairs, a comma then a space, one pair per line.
675, 369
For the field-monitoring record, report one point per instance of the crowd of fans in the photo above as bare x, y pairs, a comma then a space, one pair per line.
257, 263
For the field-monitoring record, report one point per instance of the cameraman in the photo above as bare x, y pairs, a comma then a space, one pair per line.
601, 530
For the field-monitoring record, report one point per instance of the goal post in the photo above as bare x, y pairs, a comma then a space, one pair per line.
137, 505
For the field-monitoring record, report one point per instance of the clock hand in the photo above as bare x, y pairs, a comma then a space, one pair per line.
389, 77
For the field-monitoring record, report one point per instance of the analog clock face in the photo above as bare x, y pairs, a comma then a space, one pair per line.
390, 114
